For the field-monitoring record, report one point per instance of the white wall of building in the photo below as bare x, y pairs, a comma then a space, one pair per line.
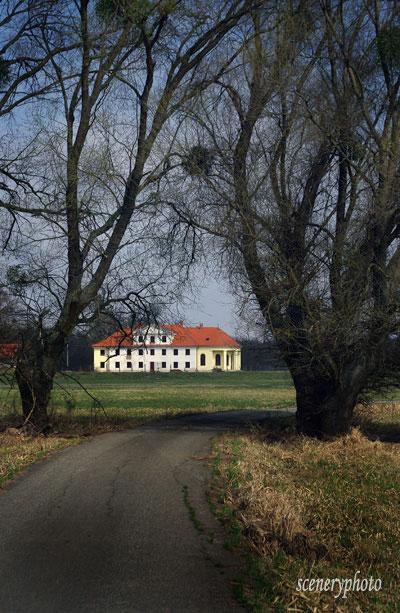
151, 349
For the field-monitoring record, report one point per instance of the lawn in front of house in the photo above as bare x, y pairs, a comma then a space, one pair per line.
136, 397
305, 509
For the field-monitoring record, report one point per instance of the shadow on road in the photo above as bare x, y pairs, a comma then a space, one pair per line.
223, 420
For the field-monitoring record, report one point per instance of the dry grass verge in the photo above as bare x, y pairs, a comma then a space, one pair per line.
380, 420
309, 509
18, 451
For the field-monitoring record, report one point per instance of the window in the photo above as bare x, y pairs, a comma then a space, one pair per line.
152, 339
116, 364
117, 351
140, 351
102, 352
187, 364
187, 352
227, 359
163, 364
102, 364
218, 360
140, 364
129, 352
175, 364
164, 338
151, 351
203, 359
129, 364
175, 352
140, 338
164, 351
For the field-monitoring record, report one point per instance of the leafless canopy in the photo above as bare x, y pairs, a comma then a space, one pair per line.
92, 92
304, 192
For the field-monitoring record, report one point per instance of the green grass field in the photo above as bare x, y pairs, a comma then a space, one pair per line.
139, 397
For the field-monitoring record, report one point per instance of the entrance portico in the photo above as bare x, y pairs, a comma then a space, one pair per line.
226, 359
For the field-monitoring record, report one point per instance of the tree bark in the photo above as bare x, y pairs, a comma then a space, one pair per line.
35, 373
324, 408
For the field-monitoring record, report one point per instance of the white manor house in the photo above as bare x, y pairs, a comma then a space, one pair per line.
165, 348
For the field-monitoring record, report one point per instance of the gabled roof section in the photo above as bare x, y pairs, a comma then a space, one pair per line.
182, 336
199, 336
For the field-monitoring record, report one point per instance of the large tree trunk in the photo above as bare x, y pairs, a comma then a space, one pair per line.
35, 373
324, 408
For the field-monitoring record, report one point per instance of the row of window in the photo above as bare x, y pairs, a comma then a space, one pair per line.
140, 351
164, 352
217, 359
140, 365
152, 338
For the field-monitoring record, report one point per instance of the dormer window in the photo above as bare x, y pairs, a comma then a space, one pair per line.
140, 338
152, 339
163, 338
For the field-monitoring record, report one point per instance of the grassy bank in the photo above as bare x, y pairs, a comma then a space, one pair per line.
17, 451
307, 509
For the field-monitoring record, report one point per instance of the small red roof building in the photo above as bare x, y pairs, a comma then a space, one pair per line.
8, 351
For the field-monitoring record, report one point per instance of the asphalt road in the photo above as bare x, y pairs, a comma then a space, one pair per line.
104, 526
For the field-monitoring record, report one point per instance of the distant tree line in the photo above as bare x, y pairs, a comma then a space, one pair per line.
259, 355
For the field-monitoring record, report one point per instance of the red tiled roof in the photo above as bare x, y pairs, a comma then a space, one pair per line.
8, 350
119, 338
183, 337
211, 337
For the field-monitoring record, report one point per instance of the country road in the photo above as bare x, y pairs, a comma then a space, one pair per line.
105, 526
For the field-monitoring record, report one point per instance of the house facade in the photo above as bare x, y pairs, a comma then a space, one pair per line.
165, 348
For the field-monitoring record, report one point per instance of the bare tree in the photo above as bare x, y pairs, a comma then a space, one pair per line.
116, 89
30, 37
303, 193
